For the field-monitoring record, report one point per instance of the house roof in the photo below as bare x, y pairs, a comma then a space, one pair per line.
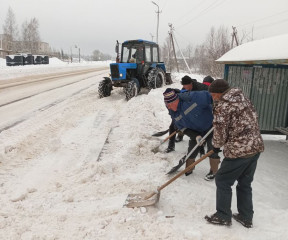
273, 50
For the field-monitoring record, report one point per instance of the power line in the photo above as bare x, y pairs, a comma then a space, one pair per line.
271, 24
206, 10
181, 36
193, 8
258, 20
164, 5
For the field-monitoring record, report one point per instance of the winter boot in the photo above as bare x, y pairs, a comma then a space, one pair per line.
215, 219
188, 163
214, 163
171, 146
246, 223
179, 137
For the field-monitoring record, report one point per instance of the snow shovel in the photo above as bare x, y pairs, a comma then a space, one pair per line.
184, 159
156, 149
151, 198
159, 134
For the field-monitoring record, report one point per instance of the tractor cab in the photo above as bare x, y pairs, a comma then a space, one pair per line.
139, 52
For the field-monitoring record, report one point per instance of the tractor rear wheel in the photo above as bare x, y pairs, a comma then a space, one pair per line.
156, 78
105, 88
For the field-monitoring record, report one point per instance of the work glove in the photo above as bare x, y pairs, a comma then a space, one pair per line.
216, 150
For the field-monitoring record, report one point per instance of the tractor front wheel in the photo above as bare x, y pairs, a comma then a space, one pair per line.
105, 88
132, 89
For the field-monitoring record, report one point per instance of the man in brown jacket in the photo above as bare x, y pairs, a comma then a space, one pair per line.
236, 130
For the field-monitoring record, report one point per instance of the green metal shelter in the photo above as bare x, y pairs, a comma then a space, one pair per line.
260, 69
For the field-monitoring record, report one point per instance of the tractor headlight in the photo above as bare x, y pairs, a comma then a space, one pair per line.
121, 75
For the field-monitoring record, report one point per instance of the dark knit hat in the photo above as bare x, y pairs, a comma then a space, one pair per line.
218, 86
170, 95
208, 79
186, 80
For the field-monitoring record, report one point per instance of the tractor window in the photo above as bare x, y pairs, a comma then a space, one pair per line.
155, 54
125, 54
148, 53
135, 56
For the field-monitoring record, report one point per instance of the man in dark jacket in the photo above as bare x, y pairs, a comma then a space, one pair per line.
191, 112
236, 129
189, 84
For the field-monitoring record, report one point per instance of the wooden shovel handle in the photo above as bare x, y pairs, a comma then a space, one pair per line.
180, 174
150, 195
171, 135
185, 170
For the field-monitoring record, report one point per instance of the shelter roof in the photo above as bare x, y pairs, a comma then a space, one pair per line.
273, 50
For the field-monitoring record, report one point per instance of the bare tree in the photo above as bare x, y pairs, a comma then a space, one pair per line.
10, 30
216, 44
31, 36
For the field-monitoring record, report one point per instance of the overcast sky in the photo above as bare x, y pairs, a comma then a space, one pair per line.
97, 24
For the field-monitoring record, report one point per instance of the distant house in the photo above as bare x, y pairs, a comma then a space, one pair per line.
5, 46
13, 47
260, 69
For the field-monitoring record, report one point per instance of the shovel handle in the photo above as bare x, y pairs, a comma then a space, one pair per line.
150, 195
185, 170
171, 135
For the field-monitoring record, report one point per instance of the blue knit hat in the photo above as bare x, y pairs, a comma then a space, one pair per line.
170, 95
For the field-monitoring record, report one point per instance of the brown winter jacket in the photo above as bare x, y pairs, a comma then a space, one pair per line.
236, 126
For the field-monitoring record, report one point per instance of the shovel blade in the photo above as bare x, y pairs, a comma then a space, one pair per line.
159, 134
175, 168
140, 199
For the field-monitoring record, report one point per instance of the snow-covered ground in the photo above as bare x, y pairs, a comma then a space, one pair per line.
65, 174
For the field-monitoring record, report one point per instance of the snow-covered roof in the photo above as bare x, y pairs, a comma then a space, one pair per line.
272, 50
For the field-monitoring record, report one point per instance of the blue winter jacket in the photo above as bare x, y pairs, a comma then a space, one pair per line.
194, 111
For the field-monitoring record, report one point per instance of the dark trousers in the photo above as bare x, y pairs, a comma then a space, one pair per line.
192, 143
242, 170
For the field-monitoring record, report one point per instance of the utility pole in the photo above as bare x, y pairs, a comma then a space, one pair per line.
79, 54
158, 12
172, 41
151, 36
234, 36
71, 54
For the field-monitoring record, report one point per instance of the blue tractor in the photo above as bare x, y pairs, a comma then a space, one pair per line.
137, 67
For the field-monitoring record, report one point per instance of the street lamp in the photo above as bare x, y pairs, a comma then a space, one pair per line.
78, 52
157, 20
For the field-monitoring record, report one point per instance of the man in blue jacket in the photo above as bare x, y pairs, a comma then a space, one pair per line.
191, 113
